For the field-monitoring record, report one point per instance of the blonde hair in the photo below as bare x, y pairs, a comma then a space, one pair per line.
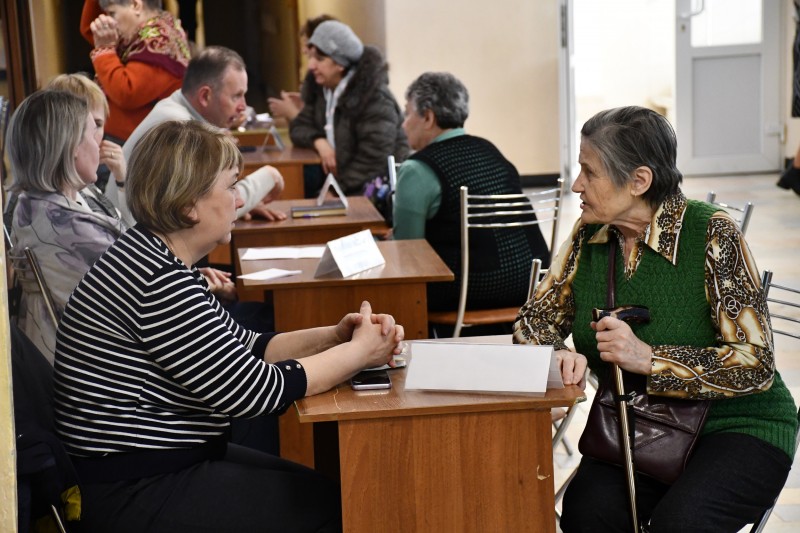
171, 167
43, 137
82, 86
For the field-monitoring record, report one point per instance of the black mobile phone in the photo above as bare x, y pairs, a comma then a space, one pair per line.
371, 380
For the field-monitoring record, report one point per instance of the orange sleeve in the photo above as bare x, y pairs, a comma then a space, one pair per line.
91, 10
131, 85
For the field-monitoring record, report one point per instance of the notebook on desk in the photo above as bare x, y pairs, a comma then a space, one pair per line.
324, 206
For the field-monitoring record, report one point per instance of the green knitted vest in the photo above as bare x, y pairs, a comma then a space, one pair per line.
680, 315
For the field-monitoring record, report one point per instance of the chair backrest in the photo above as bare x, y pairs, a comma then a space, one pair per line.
784, 304
783, 311
27, 271
496, 211
392, 165
744, 212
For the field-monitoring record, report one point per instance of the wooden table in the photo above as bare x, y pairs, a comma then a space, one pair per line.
289, 163
439, 461
361, 215
398, 287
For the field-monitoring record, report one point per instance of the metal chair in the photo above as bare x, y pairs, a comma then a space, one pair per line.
786, 314
393, 165
27, 272
495, 212
745, 212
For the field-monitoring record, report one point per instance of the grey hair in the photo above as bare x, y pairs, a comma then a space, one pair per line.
43, 137
150, 4
444, 95
627, 138
208, 68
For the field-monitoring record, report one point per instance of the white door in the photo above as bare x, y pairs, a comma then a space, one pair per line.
727, 105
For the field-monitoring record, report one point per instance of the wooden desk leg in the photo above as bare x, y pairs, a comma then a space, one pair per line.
468, 472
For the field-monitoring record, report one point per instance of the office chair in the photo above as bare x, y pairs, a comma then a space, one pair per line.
745, 212
501, 212
790, 327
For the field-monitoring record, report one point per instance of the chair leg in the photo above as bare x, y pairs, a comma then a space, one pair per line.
561, 490
57, 519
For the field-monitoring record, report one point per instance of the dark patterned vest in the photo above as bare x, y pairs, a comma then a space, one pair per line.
500, 260
679, 315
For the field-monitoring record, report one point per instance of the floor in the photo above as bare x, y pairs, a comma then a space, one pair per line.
774, 238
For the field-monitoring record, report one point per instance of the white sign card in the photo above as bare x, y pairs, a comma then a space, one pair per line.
350, 255
475, 367
330, 181
273, 134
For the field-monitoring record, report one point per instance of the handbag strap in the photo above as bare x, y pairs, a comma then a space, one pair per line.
611, 277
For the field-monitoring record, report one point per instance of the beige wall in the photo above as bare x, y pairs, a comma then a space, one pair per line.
505, 52
47, 29
508, 63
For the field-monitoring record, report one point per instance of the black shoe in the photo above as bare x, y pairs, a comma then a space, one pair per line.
790, 179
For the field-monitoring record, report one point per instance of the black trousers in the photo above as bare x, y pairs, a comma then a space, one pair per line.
246, 491
729, 481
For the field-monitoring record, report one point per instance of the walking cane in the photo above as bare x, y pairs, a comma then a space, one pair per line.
634, 314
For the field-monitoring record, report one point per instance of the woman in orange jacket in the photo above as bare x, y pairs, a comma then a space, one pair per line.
140, 55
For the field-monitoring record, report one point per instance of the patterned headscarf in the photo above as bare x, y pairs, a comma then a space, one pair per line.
159, 41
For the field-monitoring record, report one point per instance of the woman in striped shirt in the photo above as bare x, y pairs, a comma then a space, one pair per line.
149, 366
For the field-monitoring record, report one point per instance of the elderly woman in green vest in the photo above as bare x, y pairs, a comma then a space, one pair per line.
690, 265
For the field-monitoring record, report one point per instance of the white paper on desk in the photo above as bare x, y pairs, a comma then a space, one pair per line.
350, 255
270, 273
283, 252
482, 367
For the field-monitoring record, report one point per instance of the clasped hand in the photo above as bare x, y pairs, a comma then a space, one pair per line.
104, 31
378, 332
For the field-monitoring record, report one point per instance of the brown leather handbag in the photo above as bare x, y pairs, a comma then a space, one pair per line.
663, 430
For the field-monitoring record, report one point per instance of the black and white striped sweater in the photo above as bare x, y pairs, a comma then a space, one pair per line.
147, 359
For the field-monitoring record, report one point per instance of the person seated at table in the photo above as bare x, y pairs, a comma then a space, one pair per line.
51, 165
213, 91
139, 57
146, 383
110, 152
350, 116
289, 104
709, 336
427, 200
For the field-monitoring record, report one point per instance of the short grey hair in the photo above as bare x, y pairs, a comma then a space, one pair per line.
627, 138
209, 67
444, 95
43, 137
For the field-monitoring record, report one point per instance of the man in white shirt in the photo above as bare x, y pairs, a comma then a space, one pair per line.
213, 91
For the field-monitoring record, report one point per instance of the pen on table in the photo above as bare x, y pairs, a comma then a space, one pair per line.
310, 215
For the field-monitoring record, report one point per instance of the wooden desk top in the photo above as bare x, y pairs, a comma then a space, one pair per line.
406, 261
290, 155
360, 214
343, 403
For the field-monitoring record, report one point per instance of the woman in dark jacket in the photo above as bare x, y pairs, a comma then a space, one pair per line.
350, 117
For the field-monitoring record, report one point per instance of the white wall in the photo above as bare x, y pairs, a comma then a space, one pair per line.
624, 55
